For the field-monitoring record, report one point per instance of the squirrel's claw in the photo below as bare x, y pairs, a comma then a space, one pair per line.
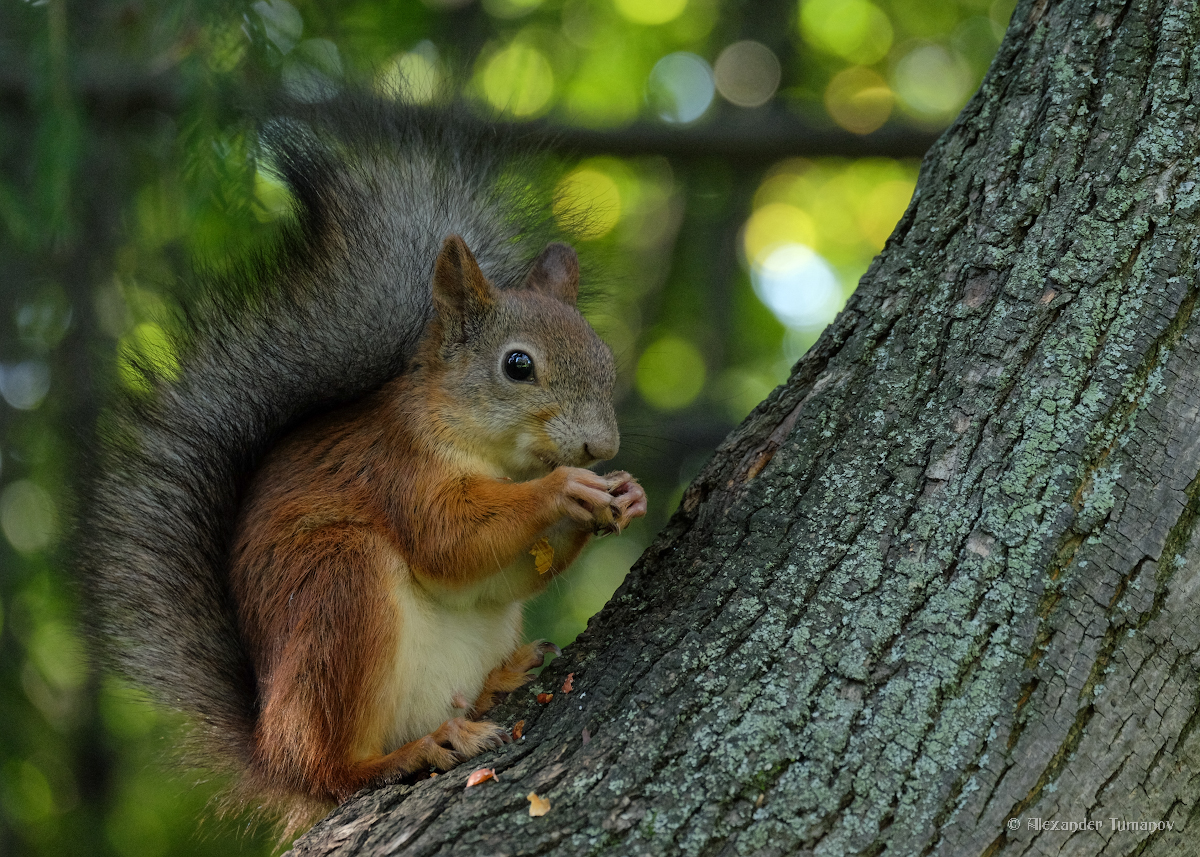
628, 500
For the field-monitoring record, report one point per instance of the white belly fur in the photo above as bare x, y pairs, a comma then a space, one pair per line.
447, 644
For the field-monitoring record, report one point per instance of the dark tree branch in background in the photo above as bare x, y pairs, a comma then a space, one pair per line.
750, 139
941, 582
753, 141
105, 95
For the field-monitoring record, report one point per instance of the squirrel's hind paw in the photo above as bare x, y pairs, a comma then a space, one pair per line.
528, 657
512, 674
455, 741
469, 737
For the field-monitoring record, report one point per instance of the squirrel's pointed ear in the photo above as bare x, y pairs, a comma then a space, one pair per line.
460, 290
556, 273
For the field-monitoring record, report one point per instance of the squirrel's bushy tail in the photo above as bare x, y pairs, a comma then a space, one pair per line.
330, 314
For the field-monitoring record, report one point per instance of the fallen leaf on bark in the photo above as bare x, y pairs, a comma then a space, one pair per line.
518, 730
568, 685
543, 698
482, 776
537, 805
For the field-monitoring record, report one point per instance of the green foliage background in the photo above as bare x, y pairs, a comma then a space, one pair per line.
124, 159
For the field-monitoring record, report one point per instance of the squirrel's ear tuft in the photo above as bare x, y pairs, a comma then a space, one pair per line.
556, 273
460, 290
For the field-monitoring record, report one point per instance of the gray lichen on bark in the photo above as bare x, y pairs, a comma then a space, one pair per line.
944, 577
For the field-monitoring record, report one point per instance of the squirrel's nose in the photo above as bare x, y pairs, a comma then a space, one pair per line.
601, 449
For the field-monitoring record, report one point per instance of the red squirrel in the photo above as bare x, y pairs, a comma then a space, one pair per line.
384, 550
313, 528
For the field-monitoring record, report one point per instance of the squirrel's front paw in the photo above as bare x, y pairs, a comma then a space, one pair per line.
628, 500
585, 496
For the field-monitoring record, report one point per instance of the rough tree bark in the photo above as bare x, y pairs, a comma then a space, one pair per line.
943, 578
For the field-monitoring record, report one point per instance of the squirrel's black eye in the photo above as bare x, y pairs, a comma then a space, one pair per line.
519, 366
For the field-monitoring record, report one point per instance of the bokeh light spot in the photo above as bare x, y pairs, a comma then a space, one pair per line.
774, 225
680, 87
518, 80
25, 792
798, 286
587, 203
42, 323
24, 385
884, 206
271, 194
650, 11
855, 30
57, 653
27, 516
145, 347
747, 73
281, 23
859, 100
932, 82
414, 76
670, 373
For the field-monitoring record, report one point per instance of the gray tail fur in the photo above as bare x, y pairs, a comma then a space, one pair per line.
332, 312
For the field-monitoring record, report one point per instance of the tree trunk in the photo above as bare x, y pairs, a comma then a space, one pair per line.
937, 587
